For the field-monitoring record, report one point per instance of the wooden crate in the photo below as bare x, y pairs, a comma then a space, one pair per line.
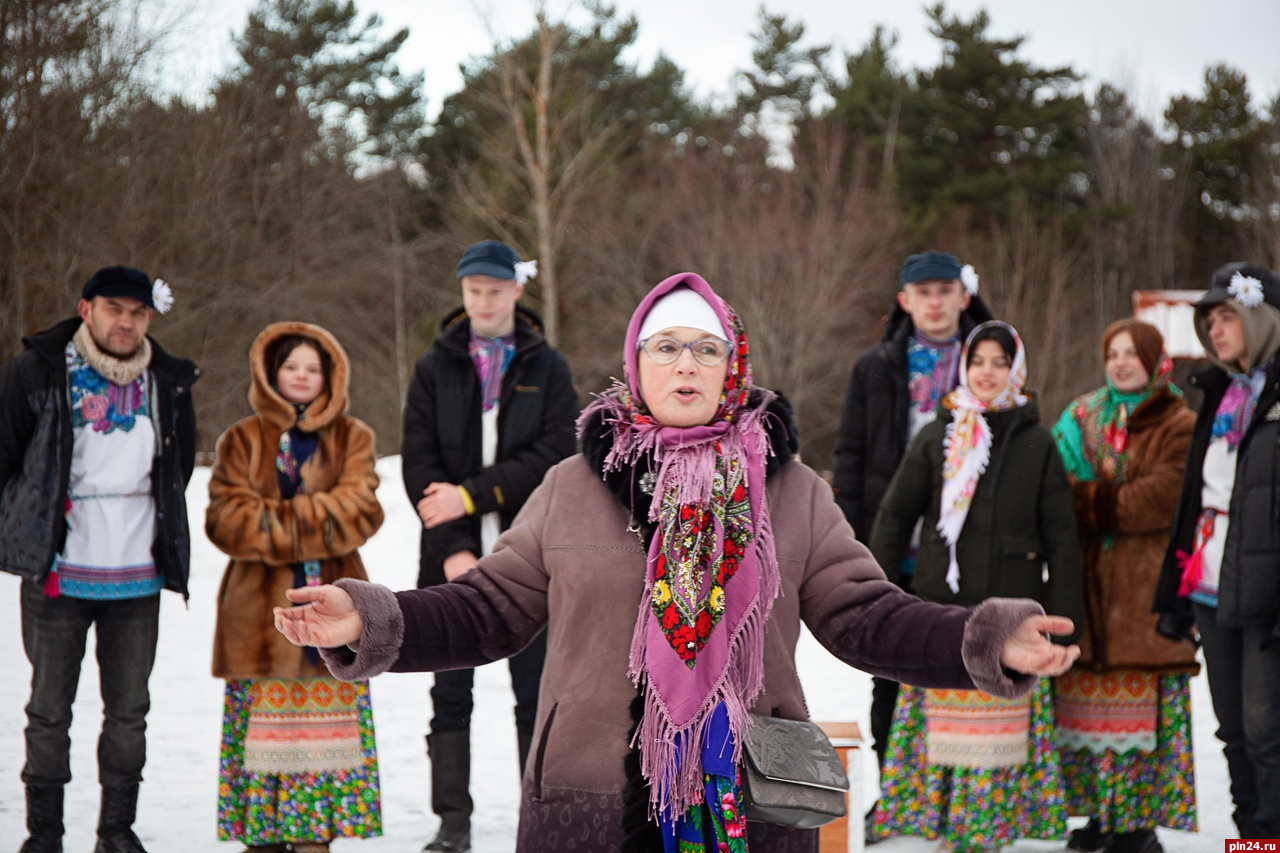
846, 835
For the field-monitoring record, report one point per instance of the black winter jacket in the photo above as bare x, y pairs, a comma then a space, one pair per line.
1022, 518
1249, 579
875, 420
35, 457
442, 431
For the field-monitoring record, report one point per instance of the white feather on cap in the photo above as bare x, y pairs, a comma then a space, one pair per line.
969, 278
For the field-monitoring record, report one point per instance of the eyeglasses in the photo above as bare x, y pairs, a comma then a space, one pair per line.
665, 350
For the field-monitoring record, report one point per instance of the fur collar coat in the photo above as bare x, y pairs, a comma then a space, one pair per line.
334, 512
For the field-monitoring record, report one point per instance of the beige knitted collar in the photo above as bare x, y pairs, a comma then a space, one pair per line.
121, 371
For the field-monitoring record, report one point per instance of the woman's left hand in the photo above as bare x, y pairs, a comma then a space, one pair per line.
1028, 649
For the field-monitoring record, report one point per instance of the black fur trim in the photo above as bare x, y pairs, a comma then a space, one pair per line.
624, 484
639, 834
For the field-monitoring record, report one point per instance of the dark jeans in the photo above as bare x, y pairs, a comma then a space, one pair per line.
53, 634
451, 695
1244, 682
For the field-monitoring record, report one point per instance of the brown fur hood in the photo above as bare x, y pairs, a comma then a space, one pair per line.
276, 410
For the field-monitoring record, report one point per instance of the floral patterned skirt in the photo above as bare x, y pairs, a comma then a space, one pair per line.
298, 762
971, 808
1134, 789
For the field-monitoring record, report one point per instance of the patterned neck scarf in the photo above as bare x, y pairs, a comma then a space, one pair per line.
295, 449
1235, 411
932, 368
99, 403
1093, 433
967, 446
712, 573
492, 357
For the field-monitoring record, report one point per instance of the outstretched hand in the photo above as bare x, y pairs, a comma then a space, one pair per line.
327, 618
1028, 650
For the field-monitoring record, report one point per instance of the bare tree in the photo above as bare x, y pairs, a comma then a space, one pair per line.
548, 154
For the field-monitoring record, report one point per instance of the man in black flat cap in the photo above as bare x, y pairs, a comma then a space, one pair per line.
1221, 576
894, 391
97, 443
492, 406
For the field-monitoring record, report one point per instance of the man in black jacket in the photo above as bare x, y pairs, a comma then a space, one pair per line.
491, 408
1222, 569
97, 443
893, 393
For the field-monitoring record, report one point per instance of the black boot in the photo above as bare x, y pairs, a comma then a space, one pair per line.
524, 742
450, 754
115, 824
1139, 841
1089, 837
44, 819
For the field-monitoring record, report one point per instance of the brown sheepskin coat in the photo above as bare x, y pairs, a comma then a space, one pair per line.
333, 514
1120, 581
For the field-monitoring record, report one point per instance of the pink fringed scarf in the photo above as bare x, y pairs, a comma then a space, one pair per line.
712, 573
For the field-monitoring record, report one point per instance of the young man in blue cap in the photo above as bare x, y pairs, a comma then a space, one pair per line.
893, 393
97, 443
491, 408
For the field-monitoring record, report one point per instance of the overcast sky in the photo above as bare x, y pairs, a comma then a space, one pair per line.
1154, 48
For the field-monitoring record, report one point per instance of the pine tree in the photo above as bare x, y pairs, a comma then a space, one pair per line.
986, 125
1217, 140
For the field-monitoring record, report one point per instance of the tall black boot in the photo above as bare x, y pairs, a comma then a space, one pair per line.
115, 823
450, 754
44, 819
524, 742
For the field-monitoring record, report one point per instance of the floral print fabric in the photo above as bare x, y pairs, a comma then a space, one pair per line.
259, 809
102, 405
932, 372
1141, 790
970, 809
701, 549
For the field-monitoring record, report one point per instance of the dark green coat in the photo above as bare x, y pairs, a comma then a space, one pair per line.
1022, 520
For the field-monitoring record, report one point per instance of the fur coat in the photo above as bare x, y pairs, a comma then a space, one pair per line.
1135, 517
333, 514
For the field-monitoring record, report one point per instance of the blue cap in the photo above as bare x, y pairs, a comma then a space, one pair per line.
120, 281
489, 257
930, 265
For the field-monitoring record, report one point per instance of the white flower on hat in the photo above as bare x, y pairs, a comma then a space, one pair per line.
526, 270
1246, 290
970, 279
161, 296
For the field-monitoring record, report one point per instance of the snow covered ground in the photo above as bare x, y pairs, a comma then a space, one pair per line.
178, 800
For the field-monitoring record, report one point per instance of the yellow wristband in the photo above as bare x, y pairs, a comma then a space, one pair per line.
467, 504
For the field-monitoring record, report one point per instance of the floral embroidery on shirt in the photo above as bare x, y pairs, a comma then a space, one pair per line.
100, 404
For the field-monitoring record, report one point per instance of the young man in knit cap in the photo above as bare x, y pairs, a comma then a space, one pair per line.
97, 443
893, 393
1222, 569
491, 408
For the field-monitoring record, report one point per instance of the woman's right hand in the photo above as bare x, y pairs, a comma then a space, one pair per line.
327, 617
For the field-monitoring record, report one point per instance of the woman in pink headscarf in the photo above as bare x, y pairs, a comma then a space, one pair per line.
672, 562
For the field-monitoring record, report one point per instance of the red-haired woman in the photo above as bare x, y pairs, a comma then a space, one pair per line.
1124, 711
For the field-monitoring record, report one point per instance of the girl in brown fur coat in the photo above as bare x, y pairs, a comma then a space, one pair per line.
291, 499
1124, 712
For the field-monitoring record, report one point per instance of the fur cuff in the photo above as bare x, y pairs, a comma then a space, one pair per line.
381, 638
990, 624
